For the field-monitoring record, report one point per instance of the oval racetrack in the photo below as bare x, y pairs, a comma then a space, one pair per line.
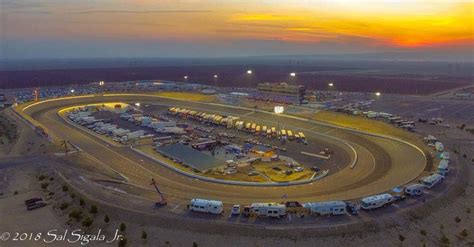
382, 163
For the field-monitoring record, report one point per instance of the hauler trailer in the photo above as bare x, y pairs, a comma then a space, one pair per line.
269, 133
206, 206
414, 189
252, 129
272, 209
376, 201
257, 130
432, 180
327, 208
291, 137
439, 146
247, 126
283, 134
274, 132
264, 129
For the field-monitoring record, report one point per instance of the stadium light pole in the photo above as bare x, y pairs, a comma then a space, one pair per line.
249, 73
278, 110
185, 78
378, 94
330, 86
101, 84
215, 80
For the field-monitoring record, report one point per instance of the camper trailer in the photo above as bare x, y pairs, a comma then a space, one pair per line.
327, 208
432, 180
206, 206
268, 209
376, 201
414, 189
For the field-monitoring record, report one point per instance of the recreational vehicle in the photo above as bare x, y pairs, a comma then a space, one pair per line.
432, 180
376, 201
443, 167
439, 146
268, 209
206, 206
414, 189
327, 208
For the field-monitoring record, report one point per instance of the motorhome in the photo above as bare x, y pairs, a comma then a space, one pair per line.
327, 208
206, 206
414, 189
376, 201
432, 180
268, 209
443, 167
439, 146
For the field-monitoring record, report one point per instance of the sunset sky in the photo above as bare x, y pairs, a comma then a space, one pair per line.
151, 28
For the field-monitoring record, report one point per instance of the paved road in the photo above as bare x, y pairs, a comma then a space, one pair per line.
382, 163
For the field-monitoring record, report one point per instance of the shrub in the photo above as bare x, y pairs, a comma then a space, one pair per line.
144, 235
468, 210
64, 205
106, 219
51, 193
65, 188
401, 237
73, 195
82, 202
122, 242
444, 239
87, 222
464, 156
44, 186
41, 177
16, 192
195, 244
457, 219
123, 227
93, 209
464, 233
76, 214
51, 179
423, 232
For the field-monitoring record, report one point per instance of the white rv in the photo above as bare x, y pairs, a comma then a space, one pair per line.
432, 180
377, 201
268, 209
414, 189
445, 155
206, 206
439, 146
443, 167
327, 208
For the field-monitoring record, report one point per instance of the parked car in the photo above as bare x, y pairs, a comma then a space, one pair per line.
315, 168
352, 208
299, 169
33, 200
235, 209
36, 205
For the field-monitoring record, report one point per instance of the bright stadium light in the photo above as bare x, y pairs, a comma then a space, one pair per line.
215, 76
249, 72
185, 77
292, 74
72, 90
331, 84
279, 109
137, 104
101, 83
377, 94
